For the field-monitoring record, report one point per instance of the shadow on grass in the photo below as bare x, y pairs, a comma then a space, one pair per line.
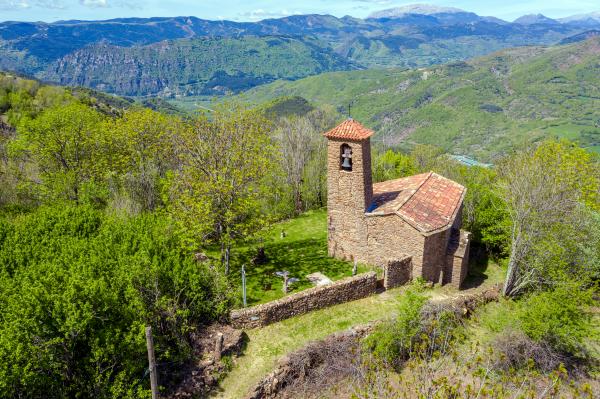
299, 257
478, 265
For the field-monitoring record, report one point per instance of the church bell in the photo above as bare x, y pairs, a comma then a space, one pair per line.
346, 164
347, 155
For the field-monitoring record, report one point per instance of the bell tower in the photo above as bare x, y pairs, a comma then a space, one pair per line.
349, 188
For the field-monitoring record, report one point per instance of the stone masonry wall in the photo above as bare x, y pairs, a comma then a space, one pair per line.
376, 239
390, 237
345, 290
349, 194
457, 258
434, 256
397, 272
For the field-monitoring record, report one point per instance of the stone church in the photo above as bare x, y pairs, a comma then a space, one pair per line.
410, 226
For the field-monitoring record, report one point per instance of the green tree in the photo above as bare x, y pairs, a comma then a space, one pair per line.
62, 143
77, 288
428, 157
548, 192
139, 150
217, 193
304, 157
392, 165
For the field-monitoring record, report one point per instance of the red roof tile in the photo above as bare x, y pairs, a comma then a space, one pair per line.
349, 130
427, 201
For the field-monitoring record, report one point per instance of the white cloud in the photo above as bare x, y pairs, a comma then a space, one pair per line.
133, 4
377, 2
94, 3
260, 14
10, 5
53, 4
25, 4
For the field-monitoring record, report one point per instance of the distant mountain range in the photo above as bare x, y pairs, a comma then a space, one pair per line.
197, 66
191, 56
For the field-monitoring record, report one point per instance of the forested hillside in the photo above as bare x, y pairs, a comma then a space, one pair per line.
483, 107
194, 67
88, 52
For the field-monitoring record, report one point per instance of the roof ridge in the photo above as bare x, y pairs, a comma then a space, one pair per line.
414, 192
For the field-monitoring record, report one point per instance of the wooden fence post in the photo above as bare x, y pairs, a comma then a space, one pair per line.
244, 286
152, 363
218, 347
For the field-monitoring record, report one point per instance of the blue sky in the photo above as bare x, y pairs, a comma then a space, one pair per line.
249, 10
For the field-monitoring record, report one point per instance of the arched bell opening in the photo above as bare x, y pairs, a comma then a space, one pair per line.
346, 157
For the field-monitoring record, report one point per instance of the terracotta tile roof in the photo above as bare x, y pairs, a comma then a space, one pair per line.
389, 195
427, 201
349, 130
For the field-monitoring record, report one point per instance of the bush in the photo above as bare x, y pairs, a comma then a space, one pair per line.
78, 287
518, 351
421, 329
393, 341
546, 329
559, 319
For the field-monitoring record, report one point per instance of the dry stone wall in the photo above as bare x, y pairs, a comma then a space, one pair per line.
345, 290
298, 367
397, 272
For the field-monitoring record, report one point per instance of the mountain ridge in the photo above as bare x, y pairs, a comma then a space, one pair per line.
43, 50
169, 67
531, 19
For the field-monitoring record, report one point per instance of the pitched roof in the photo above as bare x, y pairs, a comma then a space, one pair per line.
349, 130
428, 201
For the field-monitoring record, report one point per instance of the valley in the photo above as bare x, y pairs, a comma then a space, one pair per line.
482, 107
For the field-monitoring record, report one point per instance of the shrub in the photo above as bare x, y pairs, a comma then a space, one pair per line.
77, 288
558, 318
438, 327
421, 329
392, 342
546, 329
517, 351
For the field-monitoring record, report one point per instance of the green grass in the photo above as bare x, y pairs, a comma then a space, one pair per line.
303, 251
568, 131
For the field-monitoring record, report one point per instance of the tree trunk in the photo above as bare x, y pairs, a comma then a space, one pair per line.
320, 195
298, 201
227, 252
513, 266
511, 277
220, 228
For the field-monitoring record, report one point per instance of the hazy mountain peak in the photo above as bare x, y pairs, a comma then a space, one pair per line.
531, 19
582, 17
421, 9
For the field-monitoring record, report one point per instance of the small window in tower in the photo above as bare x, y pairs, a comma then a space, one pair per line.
346, 157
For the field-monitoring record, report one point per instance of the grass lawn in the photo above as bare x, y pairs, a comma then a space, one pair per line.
302, 251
